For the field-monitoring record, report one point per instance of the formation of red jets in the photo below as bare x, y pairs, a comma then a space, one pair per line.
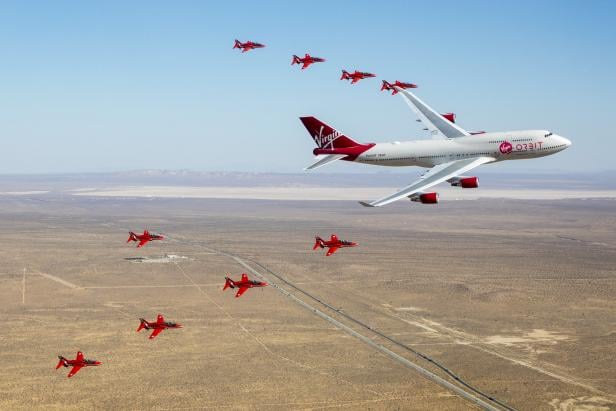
307, 60
158, 326
244, 283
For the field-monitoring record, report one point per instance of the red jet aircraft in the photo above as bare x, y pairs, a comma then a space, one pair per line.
333, 244
355, 76
78, 363
389, 86
157, 326
143, 238
249, 45
306, 61
243, 284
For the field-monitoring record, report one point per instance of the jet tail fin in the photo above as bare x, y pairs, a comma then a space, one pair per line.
228, 283
345, 75
142, 324
237, 44
318, 242
61, 362
131, 237
295, 60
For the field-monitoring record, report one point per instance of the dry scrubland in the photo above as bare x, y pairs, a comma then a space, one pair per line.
518, 297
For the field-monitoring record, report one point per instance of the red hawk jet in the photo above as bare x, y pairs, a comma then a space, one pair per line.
244, 284
78, 363
306, 61
333, 244
157, 326
355, 76
143, 238
249, 45
388, 86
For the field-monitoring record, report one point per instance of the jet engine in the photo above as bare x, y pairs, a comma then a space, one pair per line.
464, 182
424, 198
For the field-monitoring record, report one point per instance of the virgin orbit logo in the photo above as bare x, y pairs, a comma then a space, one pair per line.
505, 147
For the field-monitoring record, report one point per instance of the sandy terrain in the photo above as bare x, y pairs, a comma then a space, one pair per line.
517, 297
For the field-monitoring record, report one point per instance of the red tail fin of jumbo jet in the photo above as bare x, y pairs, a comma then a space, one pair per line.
326, 136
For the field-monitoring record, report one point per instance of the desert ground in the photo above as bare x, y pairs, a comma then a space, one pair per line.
517, 297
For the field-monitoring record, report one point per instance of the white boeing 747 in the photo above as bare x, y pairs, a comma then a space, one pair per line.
450, 153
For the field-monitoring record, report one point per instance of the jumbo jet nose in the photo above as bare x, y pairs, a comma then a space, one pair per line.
565, 141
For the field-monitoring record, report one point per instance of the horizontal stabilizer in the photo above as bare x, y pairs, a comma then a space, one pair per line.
325, 160
366, 204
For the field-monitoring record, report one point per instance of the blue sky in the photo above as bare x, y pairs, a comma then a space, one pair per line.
110, 86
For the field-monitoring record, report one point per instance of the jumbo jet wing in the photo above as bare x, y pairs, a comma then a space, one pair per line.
438, 125
432, 177
330, 158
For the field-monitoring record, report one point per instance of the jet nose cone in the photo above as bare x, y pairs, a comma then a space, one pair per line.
565, 141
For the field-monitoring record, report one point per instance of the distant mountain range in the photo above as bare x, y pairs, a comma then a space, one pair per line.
397, 178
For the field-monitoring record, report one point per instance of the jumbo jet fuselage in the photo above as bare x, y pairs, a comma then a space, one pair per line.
510, 145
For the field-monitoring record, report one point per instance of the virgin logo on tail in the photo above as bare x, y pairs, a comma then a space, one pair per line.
505, 147
323, 141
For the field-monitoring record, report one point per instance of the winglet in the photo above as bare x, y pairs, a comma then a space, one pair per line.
327, 159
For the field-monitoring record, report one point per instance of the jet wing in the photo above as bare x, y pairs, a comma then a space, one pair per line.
241, 291
330, 158
74, 370
432, 177
142, 243
155, 332
438, 125
306, 64
331, 251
